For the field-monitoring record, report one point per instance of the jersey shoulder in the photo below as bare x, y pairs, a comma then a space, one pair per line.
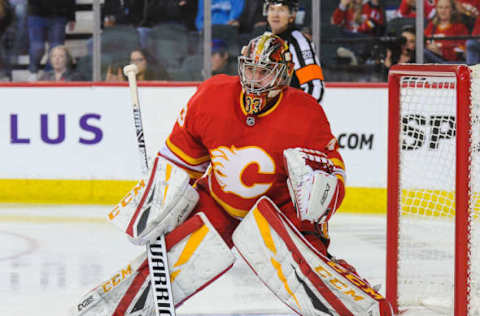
299, 96
297, 99
217, 89
220, 82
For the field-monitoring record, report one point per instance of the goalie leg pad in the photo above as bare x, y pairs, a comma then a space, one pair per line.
127, 291
197, 256
303, 278
157, 204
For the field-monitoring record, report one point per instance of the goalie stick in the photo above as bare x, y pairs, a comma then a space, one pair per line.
156, 251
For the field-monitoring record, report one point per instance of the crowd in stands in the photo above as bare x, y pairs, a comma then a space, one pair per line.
165, 37
449, 27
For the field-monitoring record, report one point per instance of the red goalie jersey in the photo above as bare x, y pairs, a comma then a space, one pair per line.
245, 153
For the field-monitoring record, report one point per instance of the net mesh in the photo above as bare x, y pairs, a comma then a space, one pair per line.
427, 194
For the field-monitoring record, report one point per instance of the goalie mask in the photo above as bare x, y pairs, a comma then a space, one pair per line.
265, 68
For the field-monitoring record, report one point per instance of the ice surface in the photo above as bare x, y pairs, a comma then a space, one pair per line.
51, 255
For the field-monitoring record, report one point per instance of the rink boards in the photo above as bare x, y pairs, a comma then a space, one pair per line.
75, 143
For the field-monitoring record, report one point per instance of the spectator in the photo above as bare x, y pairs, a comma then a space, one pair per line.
140, 14
62, 66
221, 63
404, 54
6, 17
308, 74
469, 11
408, 9
175, 11
145, 14
473, 45
355, 16
358, 20
223, 12
20, 45
446, 22
115, 73
148, 68
252, 16
468, 7
47, 20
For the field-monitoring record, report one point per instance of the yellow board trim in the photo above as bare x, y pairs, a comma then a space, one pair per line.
61, 191
47, 219
358, 200
441, 203
110, 192
361, 200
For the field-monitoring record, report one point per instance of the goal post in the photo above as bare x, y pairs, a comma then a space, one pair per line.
433, 261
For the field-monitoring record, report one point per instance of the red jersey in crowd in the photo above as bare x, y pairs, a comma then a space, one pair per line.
476, 28
452, 50
407, 11
470, 7
371, 17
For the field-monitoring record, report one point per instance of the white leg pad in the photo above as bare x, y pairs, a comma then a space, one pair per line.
197, 256
306, 280
127, 291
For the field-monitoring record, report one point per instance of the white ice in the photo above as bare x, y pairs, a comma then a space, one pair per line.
51, 255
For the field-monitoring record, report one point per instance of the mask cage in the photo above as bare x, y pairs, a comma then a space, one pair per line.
253, 73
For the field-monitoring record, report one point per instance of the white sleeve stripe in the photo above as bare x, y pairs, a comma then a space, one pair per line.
317, 88
296, 62
304, 45
165, 151
301, 40
314, 88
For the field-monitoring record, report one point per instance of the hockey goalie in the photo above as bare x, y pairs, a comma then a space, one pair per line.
252, 164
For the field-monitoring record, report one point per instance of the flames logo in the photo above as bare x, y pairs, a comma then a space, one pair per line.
229, 165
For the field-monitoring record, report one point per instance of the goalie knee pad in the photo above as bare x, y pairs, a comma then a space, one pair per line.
303, 278
157, 204
197, 256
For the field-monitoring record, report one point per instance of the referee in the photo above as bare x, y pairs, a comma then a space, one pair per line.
308, 74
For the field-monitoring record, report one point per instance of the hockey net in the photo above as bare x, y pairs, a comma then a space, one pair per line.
433, 243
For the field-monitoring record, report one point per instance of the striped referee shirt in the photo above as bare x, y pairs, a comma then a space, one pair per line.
308, 74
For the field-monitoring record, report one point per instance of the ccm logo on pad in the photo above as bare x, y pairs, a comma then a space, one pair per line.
127, 199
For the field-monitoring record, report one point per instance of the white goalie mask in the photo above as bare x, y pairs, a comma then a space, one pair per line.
265, 68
